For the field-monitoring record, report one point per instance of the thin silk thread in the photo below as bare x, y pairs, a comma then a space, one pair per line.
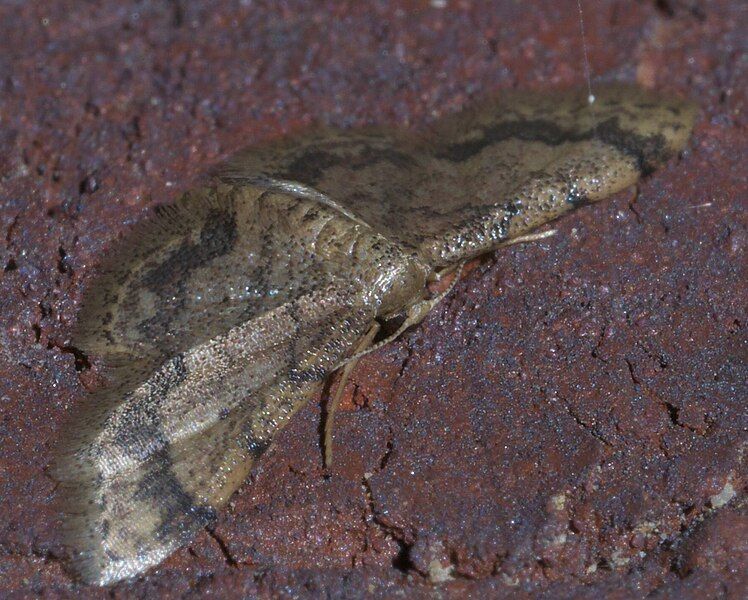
587, 71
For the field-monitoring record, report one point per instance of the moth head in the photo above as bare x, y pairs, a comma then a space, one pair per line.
405, 284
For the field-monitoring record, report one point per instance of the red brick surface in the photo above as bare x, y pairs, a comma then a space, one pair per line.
567, 423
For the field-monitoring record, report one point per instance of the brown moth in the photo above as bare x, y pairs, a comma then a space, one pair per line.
221, 315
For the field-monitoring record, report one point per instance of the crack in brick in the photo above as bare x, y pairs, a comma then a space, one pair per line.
223, 547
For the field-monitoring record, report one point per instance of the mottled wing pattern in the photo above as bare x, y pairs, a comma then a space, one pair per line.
482, 176
196, 268
218, 319
146, 474
533, 157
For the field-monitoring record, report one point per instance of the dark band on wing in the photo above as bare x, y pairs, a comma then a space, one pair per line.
647, 151
255, 446
309, 166
137, 430
217, 238
178, 511
168, 279
501, 228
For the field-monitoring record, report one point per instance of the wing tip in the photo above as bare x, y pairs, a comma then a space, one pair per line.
91, 535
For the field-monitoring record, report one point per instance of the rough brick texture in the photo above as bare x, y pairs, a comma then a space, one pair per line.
567, 423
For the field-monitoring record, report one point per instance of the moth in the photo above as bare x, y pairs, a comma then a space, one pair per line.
222, 314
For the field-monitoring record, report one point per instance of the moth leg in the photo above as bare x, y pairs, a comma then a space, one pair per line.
416, 313
335, 402
438, 275
530, 237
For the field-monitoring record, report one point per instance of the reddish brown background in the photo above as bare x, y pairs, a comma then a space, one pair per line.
561, 426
